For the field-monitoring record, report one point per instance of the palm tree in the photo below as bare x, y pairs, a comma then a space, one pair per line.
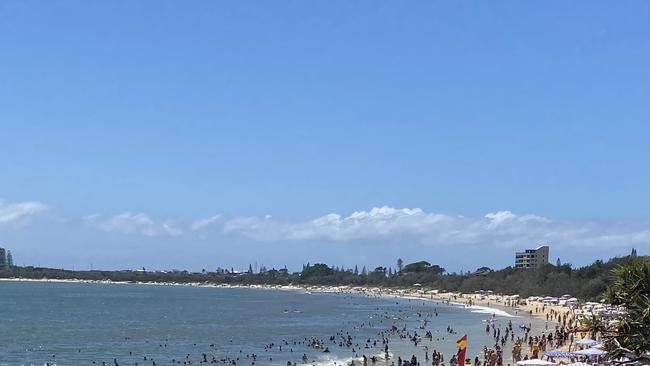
629, 335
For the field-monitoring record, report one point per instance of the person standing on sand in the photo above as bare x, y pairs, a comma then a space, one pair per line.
535, 350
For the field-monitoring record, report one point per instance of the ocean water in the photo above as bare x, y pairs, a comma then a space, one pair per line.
86, 324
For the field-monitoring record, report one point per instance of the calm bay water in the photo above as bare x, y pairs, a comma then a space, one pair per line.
81, 323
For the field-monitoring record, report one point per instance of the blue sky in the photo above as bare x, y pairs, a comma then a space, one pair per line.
210, 133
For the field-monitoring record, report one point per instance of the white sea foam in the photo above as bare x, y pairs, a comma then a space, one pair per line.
473, 308
337, 361
487, 310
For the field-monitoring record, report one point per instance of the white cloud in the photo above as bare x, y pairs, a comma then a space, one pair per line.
134, 223
18, 212
506, 217
502, 228
390, 225
203, 223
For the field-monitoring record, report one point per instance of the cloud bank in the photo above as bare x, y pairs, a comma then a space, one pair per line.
133, 223
502, 228
203, 223
378, 225
19, 212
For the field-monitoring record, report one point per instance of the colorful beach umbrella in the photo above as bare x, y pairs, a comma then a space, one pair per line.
559, 353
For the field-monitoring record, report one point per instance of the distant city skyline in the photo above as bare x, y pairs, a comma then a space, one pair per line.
222, 134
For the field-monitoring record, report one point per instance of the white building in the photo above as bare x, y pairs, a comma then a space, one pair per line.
532, 258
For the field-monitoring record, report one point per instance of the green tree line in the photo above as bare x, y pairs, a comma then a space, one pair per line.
586, 283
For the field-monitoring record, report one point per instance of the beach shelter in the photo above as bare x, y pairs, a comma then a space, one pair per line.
587, 342
590, 352
535, 362
560, 353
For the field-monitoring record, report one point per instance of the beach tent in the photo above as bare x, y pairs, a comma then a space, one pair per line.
590, 352
535, 362
560, 353
586, 342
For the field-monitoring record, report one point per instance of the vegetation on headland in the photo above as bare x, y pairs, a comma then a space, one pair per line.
586, 283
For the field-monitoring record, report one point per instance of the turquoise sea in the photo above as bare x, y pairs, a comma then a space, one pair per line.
86, 324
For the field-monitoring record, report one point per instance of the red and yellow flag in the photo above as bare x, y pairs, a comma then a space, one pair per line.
462, 343
462, 346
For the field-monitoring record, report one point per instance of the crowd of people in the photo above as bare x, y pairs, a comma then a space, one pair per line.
401, 325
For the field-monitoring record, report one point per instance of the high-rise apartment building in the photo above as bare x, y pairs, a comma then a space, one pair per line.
532, 258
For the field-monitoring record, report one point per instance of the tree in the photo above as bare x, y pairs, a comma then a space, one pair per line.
400, 265
317, 270
421, 266
595, 325
378, 274
364, 272
250, 269
356, 270
630, 336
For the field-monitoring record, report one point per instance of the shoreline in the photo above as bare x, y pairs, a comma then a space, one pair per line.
468, 301
492, 306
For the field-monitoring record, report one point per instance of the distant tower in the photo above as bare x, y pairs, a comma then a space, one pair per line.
10, 259
558, 263
3, 257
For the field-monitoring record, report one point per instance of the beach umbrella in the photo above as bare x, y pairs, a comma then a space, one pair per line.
535, 362
587, 342
578, 364
559, 353
590, 352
